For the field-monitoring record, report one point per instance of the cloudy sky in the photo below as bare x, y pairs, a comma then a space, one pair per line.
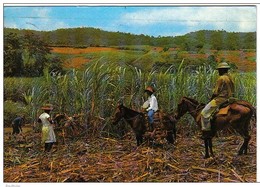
156, 20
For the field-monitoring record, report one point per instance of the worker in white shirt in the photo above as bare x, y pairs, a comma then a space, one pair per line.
151, 106
48, 135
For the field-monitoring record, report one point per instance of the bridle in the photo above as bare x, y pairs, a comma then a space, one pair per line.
126, 118
197, 106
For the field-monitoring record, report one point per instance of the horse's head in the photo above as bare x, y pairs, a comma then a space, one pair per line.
181, 109
186, 104
119, 113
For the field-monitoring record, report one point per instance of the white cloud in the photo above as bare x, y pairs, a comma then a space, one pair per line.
36, 18
46, 23
239, 19
10, 25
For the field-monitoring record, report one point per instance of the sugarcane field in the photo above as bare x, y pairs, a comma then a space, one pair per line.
87, 105
100, 145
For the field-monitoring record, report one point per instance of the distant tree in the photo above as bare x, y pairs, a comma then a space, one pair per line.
187, 46
199, 46
26, 55
217, 40
232, 42
35, 52
55, 65
13, 62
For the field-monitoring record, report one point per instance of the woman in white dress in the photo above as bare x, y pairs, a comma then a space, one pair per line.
48, 135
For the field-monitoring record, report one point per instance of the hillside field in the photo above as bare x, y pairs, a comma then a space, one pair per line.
77, 57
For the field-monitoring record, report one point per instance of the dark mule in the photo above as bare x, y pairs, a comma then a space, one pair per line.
137, 121
238, 117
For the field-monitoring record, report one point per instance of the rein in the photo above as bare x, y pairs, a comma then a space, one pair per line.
132, 118
197, 107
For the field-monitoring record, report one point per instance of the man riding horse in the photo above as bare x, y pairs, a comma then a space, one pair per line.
151, 106
223, 90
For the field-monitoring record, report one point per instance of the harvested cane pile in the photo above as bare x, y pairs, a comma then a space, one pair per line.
100, 159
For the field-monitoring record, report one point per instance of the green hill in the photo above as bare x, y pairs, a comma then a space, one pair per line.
194, 41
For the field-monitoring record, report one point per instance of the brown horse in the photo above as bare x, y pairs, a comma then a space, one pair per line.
137, 122
238, 117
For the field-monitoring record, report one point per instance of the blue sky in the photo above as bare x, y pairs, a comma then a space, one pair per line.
148, 20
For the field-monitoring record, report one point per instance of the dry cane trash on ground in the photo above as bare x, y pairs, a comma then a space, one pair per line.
100, 159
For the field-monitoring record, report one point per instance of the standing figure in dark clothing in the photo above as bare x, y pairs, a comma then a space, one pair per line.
17, 125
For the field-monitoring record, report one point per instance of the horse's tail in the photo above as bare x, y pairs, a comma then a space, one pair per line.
254, 113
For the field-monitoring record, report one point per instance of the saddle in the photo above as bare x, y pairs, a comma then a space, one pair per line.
159, 120
224, 107
160, 129
157, 117
223, 111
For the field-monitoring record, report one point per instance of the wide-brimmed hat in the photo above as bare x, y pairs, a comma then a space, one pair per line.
47, 107
149, 89
223, 65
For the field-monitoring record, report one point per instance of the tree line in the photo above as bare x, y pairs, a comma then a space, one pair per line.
27, 55
85, 37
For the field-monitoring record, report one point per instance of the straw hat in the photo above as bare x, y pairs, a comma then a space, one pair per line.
47, 107
149, 89
223, 65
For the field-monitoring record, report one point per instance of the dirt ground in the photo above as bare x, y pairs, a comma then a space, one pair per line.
100, 159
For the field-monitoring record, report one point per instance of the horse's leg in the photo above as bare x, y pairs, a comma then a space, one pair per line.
241, 150
244, 147
174, 134
169, 138
247, 137
206, 143
245, 134
246, 141
210, 147
139, 139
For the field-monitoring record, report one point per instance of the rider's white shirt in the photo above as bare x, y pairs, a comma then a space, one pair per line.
153, 104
